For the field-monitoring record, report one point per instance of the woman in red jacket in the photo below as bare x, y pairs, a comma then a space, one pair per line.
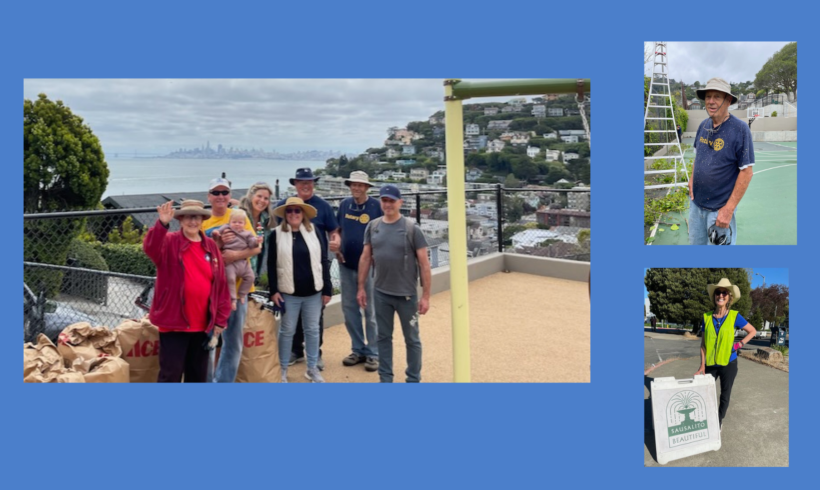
191, 298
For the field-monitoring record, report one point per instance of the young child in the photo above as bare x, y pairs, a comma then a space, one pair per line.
241, 268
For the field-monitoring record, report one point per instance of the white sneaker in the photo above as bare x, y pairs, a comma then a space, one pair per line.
314, 375
284, 376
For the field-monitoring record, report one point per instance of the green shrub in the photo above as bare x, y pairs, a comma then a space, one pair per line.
82, 254
774, 114
126, 258
46, 241
127, 234
782, 348
262, 282
85, 284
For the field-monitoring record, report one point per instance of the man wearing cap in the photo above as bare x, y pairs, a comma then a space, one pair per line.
325, 222
722, 171
354, 214
219, 194
398, 250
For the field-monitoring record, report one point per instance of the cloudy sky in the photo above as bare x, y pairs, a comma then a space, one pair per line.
159, 116
734, 62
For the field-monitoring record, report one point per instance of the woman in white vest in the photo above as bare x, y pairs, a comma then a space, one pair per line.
299, 277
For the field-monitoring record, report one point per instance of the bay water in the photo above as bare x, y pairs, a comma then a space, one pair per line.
175, 175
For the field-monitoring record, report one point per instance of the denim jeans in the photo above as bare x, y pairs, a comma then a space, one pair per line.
408, 309
353, 314
699, 222
309, 309
231, 352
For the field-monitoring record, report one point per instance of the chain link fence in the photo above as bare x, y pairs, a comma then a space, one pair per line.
89, 265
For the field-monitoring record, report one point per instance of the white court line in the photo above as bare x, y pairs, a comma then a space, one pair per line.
781, 166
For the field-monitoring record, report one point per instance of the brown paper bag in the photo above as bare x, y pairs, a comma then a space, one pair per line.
39, 357
80, 344
108, 370
260, 350
42, 363
139, 341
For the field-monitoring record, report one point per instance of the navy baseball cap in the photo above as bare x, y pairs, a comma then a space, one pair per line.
303, 174
390, 191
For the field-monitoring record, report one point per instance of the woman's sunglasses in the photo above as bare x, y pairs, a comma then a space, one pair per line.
220, 193
721, 293
293, 210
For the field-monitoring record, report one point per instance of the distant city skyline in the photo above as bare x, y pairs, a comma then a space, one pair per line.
157, 116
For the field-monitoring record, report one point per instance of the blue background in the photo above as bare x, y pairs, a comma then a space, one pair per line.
340, 436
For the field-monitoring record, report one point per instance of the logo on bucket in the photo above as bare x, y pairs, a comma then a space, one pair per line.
686, 419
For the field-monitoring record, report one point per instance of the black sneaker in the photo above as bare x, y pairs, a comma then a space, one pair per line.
353, 359
295, 358
372, 364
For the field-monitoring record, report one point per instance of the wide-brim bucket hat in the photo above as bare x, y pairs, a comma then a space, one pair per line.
718, 84
192, 207
725, 284
307, 209
303, 174
358, 176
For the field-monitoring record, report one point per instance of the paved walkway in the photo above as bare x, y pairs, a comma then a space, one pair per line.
756, 427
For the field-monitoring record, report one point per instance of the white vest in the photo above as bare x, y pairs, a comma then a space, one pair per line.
284, 258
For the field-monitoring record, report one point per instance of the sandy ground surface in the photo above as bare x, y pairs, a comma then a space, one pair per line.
523, 329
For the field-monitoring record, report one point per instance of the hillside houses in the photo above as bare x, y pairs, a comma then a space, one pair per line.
499, 125
472, 130
490, 111
553, 155
419, 174
495, 146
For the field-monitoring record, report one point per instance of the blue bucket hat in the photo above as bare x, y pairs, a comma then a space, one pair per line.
390, 191
303, 174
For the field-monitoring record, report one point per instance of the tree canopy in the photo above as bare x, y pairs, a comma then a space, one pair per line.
680, 296
780, 72
771, 303
63, 163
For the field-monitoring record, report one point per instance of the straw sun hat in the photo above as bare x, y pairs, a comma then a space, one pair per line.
192, 207
307, 209
725, 284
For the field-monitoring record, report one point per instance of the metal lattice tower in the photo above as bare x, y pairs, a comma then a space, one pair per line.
660, 132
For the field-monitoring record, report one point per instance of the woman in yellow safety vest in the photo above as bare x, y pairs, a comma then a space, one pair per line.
718, 351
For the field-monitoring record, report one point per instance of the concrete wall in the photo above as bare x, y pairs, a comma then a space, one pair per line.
763, 129
697, 117
484, 266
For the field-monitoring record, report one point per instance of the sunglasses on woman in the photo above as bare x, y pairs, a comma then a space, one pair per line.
293, 210
721, 293
220, 193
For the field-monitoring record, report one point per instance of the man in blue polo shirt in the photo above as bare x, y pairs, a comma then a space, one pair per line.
723, 168
327, 229
354, 214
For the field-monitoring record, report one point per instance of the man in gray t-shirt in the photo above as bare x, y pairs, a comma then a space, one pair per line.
398, 251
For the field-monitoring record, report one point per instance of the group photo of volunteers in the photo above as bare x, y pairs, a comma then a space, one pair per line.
220, 253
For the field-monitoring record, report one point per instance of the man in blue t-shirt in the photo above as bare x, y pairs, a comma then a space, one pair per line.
354, 214
722, 171
327, 228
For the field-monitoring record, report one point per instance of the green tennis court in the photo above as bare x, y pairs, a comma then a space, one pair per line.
767, 214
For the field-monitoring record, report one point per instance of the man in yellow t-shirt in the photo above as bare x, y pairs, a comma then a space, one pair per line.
219, 195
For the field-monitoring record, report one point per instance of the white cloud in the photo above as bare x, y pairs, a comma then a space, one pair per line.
152, 115
732, 61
